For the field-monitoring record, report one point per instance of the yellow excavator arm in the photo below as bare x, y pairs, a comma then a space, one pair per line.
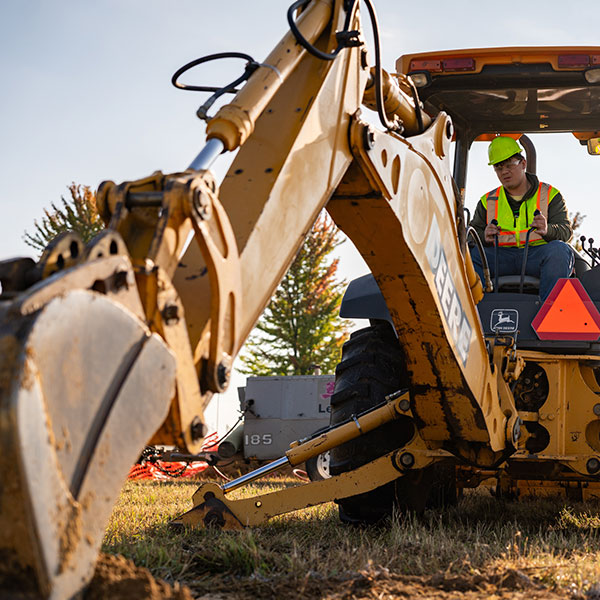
109, 346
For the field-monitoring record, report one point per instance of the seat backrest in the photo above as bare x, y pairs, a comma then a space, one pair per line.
581, 265
511, 283
591, 282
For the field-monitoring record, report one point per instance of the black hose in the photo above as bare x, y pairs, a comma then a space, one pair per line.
484, 262
252, 64
230, 88
230, 429
343, 37
468, 214
495, 222
346, 39
390, 125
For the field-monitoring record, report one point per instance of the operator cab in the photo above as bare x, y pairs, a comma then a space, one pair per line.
515, 91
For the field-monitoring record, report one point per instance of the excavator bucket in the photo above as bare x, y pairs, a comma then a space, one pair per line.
75, 368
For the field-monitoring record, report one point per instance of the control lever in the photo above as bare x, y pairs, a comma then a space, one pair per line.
524, 265
583, 239
592, 252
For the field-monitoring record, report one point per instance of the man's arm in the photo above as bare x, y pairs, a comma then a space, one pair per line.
559, 225
479, 222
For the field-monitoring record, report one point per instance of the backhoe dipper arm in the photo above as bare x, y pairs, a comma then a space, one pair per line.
292, 117
309, 145
286, 170
302, 143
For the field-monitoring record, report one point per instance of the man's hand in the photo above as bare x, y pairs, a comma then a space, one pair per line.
491, 231
540, 223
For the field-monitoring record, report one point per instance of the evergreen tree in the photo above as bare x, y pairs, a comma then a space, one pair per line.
79, 213
300, 329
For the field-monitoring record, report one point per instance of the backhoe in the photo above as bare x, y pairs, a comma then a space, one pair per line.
142, 323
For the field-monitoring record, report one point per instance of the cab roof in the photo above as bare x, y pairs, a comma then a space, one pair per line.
511, 90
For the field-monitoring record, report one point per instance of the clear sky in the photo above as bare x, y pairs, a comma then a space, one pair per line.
86, 92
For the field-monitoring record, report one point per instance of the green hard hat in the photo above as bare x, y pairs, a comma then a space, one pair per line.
501, 148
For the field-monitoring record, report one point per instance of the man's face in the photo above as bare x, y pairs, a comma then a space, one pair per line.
511, 172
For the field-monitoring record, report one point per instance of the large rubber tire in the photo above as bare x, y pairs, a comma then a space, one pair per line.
372, 367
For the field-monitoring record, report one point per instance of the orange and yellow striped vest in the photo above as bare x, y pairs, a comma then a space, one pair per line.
514, 228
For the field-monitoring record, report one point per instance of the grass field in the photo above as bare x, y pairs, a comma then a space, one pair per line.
544, 545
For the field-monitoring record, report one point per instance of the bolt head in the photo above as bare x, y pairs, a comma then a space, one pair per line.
407, 460
198, 429
368, 138
202, 205
593, 465
404, 405
170, 314
597, 410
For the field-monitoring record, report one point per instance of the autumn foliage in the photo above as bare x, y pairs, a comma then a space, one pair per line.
77, 213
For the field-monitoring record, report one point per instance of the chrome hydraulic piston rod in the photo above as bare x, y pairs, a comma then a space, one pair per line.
357, 425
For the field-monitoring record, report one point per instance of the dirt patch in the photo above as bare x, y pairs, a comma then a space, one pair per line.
14, 534
69, 532
510, 584
118, 577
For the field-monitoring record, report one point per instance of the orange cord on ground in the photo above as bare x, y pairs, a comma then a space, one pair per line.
162, 471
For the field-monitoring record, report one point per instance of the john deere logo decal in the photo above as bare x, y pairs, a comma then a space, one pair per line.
456, 318
504, 320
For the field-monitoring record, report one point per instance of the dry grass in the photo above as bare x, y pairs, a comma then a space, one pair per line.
555, 543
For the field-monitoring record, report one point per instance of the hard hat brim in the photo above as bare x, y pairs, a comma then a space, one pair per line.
502, 159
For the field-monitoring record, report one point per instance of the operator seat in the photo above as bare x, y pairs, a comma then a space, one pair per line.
531, 285
591, 282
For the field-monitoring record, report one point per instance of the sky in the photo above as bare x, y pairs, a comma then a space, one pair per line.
86, 92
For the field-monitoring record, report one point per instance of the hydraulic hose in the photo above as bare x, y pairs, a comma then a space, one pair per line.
345, 37
389, 125
486, 268
495, 222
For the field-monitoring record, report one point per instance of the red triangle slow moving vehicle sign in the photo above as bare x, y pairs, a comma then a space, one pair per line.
567, 314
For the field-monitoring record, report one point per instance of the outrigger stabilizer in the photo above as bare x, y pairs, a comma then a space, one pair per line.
213, 508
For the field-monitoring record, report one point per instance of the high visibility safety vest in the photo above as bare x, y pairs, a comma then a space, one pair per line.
514, 228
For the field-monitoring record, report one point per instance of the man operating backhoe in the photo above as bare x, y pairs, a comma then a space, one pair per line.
520, 203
